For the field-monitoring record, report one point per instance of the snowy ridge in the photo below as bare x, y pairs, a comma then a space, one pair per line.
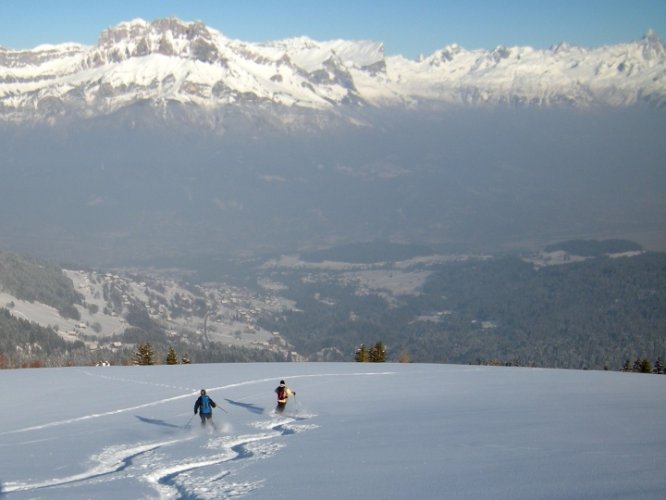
168, 60
616, 75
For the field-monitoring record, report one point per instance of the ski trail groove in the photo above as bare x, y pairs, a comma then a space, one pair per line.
109, 461
157, 464
176, 478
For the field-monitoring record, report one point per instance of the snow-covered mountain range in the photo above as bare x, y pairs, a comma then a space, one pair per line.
170, 61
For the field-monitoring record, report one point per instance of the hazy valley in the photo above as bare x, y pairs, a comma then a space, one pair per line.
292, 200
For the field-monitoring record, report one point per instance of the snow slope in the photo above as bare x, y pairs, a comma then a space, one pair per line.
353, 431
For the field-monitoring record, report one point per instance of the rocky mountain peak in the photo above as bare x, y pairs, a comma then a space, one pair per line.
189, 63
169, 37
653, 47
138, 29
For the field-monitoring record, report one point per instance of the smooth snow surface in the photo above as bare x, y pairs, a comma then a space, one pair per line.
366, 431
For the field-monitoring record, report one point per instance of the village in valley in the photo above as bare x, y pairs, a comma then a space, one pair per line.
112, 302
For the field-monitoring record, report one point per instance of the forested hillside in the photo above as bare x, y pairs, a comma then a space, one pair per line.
32, 280
591, 314
595, 313
31, 336
26, 344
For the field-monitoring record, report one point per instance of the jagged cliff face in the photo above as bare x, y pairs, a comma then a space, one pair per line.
169, 61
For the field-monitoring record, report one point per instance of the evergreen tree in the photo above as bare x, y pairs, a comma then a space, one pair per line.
645, 366
172, 357
659, 366
362, 355
144, 354
186, 360
378, 353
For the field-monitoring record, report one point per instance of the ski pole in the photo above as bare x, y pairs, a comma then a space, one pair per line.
188, 422
225, 411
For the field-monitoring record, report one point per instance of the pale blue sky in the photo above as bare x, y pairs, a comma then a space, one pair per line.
408, 27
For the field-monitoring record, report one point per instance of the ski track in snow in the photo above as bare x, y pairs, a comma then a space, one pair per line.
172, 477
175, 398
157, 465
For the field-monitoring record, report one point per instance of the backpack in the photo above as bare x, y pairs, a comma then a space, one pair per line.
205, 404
282, 393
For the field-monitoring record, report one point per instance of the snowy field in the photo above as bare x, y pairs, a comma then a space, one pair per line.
354, 431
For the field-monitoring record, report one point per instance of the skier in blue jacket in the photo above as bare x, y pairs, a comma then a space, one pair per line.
204, 405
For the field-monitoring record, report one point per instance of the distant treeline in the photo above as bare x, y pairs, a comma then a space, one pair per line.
381, 251
373, 252
595, 248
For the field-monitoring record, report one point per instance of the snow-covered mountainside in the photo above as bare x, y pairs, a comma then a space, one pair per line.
171, 61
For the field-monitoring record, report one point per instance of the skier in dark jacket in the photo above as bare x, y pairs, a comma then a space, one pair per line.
283, 392
204, 405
